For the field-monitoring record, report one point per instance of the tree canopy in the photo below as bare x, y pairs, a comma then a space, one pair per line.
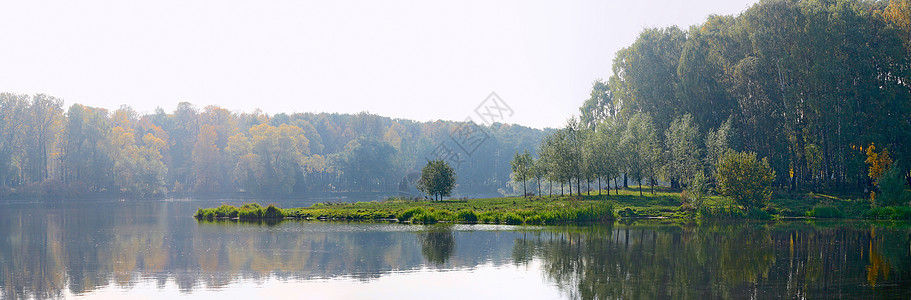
437, 179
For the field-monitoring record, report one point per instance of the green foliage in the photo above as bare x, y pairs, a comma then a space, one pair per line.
437, 179
273, 212
513, 219
698, 190
745, 179
522, 168
893, 188
226, 211
890, 213
248, 211
425, 218
641, 145
682, 140
250, 206
534, 220
366, 161
721, 212
409, 213
466, 216
825, 211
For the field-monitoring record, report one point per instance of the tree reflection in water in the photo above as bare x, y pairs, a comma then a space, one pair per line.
725, 260
437, 244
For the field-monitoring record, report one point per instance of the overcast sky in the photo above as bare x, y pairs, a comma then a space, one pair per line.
421, 60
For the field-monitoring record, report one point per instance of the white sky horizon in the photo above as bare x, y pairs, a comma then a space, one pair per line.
419, 60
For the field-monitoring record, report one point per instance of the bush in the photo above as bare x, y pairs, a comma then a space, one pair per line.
824, 211
250, 214
758, 214
205, 214
273, 212
409, 213
424, 218
490, 217
467, 216
745, 179
250, 206
534, 220
892, 187
890, 213
513, 219
226, 211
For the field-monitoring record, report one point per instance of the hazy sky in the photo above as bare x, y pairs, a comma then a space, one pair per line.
422, 60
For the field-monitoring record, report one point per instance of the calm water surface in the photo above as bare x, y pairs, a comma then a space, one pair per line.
154, 249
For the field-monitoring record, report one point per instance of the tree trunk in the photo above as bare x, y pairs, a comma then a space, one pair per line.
599, 186
579, 186
652, 182
625, 181
524, 191
640, 187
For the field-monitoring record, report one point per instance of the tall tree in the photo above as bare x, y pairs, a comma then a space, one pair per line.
437, 179
522, 168
641, 143
682, 141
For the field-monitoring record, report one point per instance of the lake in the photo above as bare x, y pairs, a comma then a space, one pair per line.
154, 249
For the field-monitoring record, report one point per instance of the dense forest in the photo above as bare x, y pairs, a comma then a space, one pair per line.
820, 89
49, 151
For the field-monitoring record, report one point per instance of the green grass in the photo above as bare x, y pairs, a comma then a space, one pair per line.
491, 210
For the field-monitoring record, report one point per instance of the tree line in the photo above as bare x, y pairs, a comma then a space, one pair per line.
46, 150
813, 87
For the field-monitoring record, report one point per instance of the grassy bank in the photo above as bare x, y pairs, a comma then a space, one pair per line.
549, 210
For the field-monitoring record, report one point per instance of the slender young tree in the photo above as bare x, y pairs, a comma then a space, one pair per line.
522, 168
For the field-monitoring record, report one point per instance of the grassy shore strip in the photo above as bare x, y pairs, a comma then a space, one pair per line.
512, 211
248, 211
627, 204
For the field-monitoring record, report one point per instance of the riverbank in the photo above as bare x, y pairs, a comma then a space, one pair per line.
549, 210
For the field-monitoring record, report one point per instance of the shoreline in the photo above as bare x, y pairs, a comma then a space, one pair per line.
557, 210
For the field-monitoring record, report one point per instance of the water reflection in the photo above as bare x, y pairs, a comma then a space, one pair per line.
754, 260
437, 244
51, 250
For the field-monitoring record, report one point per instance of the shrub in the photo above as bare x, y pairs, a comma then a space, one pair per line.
250, 206
890, 213
250, 214
273, 212
467, 216
758, 214
534, 220
512, 219
424, 218
226, 211
824, 211
745, 179
490, 217
205, 214
409, 213
892, 187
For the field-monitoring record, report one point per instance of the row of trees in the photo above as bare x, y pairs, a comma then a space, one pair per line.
46, 150
810, 86
615, 149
